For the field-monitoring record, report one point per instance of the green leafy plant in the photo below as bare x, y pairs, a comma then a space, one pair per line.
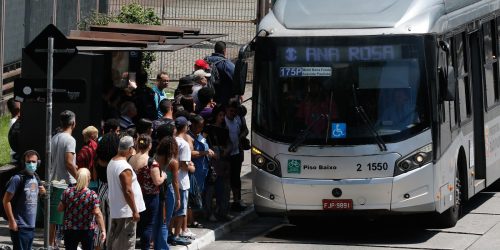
130, 13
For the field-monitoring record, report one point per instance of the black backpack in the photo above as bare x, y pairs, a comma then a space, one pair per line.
3, 190
145, 103
215, 75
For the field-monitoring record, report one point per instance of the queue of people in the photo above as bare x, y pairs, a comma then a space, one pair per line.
159, 167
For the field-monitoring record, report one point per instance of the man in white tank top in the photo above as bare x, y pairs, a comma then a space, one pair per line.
125, 198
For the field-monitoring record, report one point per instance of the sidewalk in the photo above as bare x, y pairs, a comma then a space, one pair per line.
205, 236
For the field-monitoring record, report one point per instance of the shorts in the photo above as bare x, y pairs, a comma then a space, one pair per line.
184, 200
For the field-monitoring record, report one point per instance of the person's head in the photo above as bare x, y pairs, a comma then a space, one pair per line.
201, 64
67, 119
108, 146
232, 109
31, 160
83, 179
90, 133
144, 126
165, 130
14, 107
197, 123
206, 96
126, 146
162, 80
188, 103
200, 77
132, 132
182, 124
142, 78
144, 143
186, 85
111, 126
167, 149
166, 107
220, 47
218, 114
128, 109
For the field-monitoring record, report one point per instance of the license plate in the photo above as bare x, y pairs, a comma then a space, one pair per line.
337, 204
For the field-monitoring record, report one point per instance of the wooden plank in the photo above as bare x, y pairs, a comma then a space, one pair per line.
85, 41
119, 36
139, 29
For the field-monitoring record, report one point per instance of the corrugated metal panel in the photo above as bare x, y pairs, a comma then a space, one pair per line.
14, 27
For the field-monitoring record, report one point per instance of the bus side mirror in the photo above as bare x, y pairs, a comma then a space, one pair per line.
240, 71
448, 84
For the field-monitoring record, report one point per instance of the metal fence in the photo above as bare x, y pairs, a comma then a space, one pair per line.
235, 18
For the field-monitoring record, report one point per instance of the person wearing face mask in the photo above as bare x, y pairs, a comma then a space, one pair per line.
20, 202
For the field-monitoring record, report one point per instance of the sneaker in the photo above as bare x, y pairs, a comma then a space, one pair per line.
188, 234
238, 206
177, 240
212, 218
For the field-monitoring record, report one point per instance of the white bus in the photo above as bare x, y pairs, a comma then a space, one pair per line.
386, 106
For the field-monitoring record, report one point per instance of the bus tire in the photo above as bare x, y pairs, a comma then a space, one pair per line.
449, 218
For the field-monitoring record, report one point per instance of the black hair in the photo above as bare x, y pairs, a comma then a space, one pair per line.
11, 105
111, 125
165, 130
168, 148
165, 106
204, 96
188, 103
144, 125
219, 47
196, 119
142, 77
108, 146
233, 103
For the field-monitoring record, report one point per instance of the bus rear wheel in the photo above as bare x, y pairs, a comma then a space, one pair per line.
449, 218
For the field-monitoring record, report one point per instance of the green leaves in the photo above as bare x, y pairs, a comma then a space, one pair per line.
135, 13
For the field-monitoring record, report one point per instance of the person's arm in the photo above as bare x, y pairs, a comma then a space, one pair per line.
61, 207
128, 193
155, 176
100, 223
70, 165
174, 166
7, 206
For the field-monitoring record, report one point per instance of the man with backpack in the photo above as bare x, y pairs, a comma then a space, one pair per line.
221, 71
20, 202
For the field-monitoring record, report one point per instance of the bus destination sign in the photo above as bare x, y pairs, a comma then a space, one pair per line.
305, 71
341, 54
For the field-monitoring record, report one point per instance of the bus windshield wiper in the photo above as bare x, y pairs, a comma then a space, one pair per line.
305, 133
359, 110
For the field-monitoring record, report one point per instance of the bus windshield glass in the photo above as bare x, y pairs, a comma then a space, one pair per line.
322, 85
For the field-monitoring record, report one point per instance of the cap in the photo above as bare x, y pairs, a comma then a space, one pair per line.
181, 121
202, 64
186, 81
200, 73
125, 143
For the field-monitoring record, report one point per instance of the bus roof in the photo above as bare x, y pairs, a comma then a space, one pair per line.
363, 14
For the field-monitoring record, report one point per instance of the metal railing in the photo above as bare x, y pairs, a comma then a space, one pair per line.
235, 18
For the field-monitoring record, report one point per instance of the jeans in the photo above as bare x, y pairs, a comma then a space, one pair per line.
148, 219
160, 230
73, 237
23, 238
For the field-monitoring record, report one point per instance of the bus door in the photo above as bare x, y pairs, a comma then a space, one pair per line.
478, 111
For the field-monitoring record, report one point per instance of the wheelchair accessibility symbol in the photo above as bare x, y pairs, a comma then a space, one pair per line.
338, 130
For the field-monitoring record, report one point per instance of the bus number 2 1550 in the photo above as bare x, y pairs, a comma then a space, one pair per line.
374, 166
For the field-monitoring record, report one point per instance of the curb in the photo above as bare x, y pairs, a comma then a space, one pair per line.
212, 235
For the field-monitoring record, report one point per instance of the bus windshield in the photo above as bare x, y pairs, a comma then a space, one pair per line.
323, 85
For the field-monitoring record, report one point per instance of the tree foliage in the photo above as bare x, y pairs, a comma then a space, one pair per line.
131, 13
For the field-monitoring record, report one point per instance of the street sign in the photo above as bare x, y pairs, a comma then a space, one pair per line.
37, 49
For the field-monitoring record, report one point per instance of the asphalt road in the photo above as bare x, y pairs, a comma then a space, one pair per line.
479, 228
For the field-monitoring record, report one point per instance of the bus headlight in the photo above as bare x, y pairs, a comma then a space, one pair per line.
265, 162
414, 160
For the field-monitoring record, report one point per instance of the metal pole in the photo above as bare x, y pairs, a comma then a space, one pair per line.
78, 9
54, 12
48, 134
2, 42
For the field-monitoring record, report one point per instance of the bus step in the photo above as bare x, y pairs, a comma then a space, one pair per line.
479, 185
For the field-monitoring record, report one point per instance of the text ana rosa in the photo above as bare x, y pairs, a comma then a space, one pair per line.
319, 167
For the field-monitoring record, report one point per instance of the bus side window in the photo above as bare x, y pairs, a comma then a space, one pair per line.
490, 63
443, 105
453, 104
464, 93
